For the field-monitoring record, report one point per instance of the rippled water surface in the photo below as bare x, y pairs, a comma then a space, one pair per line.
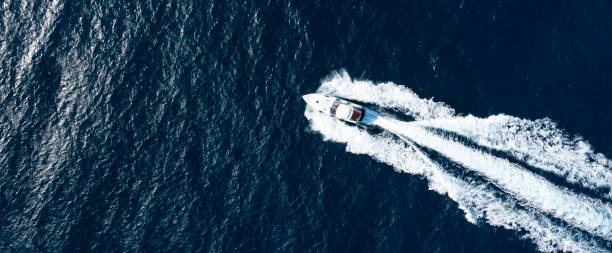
144, 126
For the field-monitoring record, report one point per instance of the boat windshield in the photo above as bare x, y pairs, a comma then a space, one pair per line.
334, 107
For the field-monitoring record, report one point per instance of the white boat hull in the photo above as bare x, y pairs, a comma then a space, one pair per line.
339, 108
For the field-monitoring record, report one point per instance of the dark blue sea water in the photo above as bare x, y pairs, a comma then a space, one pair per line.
177, 126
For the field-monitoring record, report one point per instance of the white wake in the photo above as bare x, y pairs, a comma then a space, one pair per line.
539, 143
554, 217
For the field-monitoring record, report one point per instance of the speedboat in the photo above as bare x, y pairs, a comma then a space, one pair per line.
338, 108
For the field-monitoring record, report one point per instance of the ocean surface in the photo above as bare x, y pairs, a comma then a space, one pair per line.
178, 126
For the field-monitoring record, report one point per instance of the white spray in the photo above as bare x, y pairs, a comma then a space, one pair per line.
541, 198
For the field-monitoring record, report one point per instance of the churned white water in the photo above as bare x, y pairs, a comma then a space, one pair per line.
539, 143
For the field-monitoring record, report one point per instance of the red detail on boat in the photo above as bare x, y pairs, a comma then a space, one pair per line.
357, 115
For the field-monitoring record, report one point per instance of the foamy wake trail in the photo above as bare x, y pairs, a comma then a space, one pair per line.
588, 214
539, 143
476, 201
554, 217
